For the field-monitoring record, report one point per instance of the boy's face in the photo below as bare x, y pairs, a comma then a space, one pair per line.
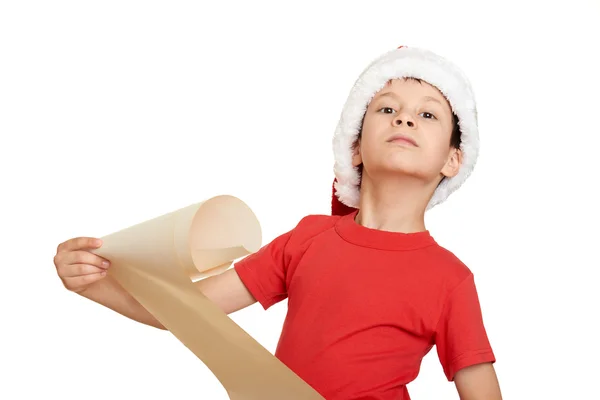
407, 129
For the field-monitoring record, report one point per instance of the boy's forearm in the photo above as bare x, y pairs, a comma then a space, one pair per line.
478, 382
111, 295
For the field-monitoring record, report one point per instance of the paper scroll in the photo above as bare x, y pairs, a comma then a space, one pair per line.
157, 262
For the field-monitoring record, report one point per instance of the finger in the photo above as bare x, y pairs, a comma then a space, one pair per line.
84, 257
74, 283
72, 270
79, 243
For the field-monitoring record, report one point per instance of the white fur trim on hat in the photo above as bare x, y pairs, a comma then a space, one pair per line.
400, 63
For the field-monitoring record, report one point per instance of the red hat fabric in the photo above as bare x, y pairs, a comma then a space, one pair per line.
337, 207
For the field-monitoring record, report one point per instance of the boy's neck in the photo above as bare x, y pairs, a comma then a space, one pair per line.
393, 205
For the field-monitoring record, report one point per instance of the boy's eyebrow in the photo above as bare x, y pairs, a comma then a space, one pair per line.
429, 98
389, 94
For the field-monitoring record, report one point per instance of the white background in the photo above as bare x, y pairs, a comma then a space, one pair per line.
115, 112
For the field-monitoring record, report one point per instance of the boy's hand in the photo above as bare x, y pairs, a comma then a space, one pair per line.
77, 267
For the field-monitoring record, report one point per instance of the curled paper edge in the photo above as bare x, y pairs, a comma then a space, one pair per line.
158, 261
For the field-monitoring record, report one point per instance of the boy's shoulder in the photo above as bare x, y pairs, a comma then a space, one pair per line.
307, 229
448, 263
313, 224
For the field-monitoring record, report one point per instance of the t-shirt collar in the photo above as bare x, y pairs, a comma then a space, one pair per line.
353, 232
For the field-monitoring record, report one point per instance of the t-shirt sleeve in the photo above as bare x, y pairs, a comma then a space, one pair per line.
264, 272
461, 338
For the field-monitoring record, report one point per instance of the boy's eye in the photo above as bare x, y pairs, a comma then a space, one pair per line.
386, 110
428, 115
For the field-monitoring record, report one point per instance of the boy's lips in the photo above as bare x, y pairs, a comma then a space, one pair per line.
403, 138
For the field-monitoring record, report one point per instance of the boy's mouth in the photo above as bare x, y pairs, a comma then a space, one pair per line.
400, 138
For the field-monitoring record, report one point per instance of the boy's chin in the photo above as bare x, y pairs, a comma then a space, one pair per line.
403, 166
404, 171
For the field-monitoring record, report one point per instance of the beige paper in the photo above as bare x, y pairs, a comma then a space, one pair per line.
157, 262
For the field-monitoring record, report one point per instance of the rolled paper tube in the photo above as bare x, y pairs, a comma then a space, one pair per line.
158, 261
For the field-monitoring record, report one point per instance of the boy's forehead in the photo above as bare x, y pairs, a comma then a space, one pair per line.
401, 85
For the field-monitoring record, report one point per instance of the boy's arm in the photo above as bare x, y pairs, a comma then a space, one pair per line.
226, 290
478, 382
110, 294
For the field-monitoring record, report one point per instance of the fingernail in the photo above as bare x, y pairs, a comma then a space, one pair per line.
98, 242
105, 264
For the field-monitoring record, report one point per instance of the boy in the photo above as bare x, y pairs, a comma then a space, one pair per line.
369, 290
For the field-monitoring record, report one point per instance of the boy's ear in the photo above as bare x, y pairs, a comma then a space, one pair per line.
356, 156
453, 163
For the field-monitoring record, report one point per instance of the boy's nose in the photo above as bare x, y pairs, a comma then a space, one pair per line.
399, 121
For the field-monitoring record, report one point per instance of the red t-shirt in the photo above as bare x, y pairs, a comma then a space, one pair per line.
365, 306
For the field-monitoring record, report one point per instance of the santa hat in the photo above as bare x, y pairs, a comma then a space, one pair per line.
403, 62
